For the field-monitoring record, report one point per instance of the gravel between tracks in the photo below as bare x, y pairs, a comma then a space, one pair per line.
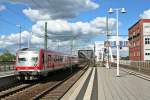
32, 91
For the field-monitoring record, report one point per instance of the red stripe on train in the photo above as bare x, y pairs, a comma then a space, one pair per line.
27, 67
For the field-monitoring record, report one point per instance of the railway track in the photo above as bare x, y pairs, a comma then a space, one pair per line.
4, 88
54, 86
13, 90
56, 92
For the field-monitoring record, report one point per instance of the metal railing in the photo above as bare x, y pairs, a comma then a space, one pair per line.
7, 66
141, 66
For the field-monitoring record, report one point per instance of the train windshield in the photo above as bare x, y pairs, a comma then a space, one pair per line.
27, 58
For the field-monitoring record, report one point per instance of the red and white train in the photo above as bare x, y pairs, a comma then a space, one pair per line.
30, 64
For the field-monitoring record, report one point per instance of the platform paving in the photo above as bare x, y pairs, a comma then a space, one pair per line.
110, 87
125, 87
7, 73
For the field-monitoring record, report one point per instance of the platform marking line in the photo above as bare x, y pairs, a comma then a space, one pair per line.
101, 91
75, 90
88, 92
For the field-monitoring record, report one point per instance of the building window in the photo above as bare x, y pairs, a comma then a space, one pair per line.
147, 40
147, 53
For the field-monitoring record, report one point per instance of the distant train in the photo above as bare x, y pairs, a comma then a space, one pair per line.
31, 64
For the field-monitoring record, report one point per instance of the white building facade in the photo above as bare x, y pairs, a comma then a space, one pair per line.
146, 35
99, 48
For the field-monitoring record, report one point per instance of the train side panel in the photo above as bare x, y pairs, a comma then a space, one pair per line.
28, 67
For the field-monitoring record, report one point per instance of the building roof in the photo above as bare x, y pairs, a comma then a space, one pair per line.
143, 20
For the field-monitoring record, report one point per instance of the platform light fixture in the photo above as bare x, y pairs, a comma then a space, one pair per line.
117, 10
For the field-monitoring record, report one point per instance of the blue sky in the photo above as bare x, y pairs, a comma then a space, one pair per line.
134, 8
13, 15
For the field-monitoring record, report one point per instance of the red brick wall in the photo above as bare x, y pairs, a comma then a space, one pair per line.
135, 31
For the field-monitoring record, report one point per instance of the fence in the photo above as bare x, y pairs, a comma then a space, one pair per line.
7, 66
143, 66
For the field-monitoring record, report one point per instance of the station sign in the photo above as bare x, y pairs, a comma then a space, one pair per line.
113, 43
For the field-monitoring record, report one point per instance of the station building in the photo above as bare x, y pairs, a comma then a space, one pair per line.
139, 40
99, 46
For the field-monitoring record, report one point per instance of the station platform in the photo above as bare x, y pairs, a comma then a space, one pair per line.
7, 73
100, 83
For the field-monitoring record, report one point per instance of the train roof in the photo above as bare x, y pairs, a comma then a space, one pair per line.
28, 49
52, 51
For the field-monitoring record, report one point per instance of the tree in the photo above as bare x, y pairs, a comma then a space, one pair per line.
7, 56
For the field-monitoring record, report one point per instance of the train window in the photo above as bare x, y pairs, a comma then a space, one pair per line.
65, 58
49, 58
54, 58
43, 58
60, 58
57, 58
21, 59
34, 60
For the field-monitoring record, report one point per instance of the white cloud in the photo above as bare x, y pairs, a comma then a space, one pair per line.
56, 9
146, 14
2, 7
121, 38
61, 30
56, 13
37, 40
100, 22
35, 15
14, 38
63, 27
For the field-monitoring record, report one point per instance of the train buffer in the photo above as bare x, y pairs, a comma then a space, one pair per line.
100, 83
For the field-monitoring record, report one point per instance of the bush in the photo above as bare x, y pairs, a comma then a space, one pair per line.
7, 56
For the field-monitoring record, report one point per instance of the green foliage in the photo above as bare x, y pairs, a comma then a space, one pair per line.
7, 56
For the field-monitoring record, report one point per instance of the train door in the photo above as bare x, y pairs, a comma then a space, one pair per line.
44, 60
49, 61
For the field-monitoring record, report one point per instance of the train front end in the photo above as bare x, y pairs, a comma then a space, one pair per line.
27, 64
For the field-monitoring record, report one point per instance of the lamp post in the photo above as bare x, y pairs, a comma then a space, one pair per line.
19, 36
117, 10
94, 56
107, 34
45, 46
